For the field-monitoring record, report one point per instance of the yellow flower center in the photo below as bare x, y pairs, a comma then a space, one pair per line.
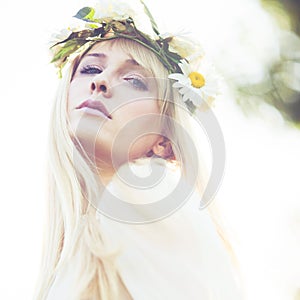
197, 79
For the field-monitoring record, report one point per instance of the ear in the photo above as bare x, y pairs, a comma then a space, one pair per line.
163, 148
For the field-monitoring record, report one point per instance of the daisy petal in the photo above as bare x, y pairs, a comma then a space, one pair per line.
177, 85
176, 76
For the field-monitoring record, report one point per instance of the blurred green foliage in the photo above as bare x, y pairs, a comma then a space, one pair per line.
281, 88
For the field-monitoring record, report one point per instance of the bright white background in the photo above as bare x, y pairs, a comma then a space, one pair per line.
259, 194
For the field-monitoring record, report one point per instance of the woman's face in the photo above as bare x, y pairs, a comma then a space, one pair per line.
112, 105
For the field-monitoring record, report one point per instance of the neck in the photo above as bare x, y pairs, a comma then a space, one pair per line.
105, 172
106, 176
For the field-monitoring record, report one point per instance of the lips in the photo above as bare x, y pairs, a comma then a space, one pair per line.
95, 104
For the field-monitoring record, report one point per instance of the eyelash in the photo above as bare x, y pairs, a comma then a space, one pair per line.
137, 83
90, 70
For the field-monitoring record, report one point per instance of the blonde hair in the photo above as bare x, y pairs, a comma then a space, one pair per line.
72, 230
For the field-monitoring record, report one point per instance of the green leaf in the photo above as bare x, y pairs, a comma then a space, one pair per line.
148, 13
66, 50
80, 35
85, 13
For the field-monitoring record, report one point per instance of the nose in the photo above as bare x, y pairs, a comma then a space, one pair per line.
100, 85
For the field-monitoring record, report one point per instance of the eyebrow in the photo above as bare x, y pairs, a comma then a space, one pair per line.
130, 61
101, 55
127, 62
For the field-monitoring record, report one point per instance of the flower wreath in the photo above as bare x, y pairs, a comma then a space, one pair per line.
108, 21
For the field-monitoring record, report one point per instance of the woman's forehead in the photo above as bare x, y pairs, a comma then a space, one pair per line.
107, 47
108, 50
122, 50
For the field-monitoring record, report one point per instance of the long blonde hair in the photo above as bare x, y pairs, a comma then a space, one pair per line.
72, 229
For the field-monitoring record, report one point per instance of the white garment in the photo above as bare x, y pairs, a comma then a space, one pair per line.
179, 257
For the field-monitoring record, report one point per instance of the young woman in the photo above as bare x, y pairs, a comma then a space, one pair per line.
126, 173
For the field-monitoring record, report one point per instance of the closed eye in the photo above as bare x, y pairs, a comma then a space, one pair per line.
90, 69
137, 83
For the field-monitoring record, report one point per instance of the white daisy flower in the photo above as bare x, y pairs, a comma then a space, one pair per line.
196, 86
112, 9
185, 47
63, 34
122, 10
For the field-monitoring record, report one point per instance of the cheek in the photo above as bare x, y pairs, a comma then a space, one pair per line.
136, 109
139, 127
78, 90
73, 90
142, 146
139, 118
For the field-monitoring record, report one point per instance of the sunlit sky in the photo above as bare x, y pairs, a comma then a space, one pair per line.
259, 194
